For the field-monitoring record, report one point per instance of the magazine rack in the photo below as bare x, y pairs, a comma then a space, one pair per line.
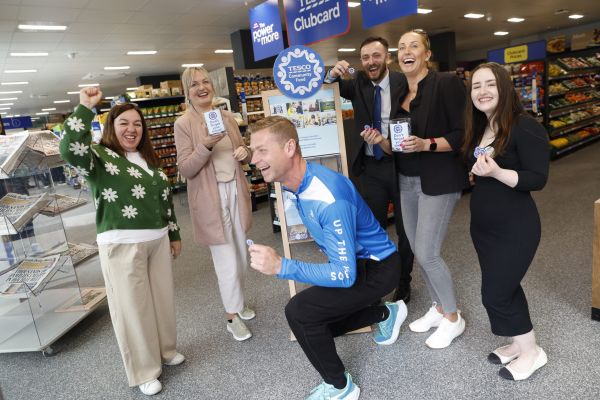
40, 294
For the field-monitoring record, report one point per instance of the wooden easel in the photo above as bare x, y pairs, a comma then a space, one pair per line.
596, 264
335, 160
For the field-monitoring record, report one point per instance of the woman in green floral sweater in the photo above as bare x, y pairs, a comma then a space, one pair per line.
137, 234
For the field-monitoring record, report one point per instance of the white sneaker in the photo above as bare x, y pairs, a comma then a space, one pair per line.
178, 359
430, 320
151, 388
238, 329
446, 333
247, 313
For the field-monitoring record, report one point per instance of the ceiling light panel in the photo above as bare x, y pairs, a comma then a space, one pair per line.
141, 52
48, 28
516, 19
424, 10
19, 71
29, 54
474, 15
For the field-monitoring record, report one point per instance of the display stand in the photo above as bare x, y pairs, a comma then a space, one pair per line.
40, 296
318, 120
596, 264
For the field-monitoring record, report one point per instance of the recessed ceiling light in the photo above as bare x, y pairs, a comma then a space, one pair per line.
61, 101
9, 98
38, 54
49, 109
16, 115
88, 85
141, 52
223, 51
500, 33
353, 4
192, 65
516, 19
7, 104
42, 113
575, 16
116, 68
12, 92
109, 97
19, 71
34, 119
131, 88
423, 10
392, 49
4, 108
346, 49
42, 27
474, 15
73, 92
3, 113
14, 83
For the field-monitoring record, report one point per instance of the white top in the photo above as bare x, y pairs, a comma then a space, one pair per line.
132, 235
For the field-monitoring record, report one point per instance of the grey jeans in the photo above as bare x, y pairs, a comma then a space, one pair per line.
426, 222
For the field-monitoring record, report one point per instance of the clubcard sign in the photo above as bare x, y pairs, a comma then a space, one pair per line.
375, 12
298, 72
310, 21
265, 26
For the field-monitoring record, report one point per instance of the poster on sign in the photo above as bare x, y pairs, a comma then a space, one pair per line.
298, 71
311, 21
265, 27
375, 12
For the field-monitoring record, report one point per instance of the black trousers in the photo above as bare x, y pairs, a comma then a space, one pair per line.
318, 314
380, 186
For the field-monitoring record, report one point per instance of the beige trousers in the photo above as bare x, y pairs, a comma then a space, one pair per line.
231, 259
139, 288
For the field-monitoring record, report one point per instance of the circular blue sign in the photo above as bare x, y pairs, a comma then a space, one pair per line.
298, 72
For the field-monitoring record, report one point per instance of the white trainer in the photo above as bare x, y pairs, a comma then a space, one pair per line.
430, 320
247, 313
151, 388
178, 359
446, 333
238, 329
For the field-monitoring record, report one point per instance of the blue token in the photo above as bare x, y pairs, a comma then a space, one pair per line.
249, 242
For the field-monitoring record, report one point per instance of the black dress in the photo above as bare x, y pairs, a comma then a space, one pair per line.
505, 227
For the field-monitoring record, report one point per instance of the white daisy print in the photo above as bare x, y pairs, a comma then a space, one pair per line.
79, 149
134, 172
169, 213
112, 168
109, 195
76, 124
138, 192
173, 226
129, 212
165, 194
95, 152
82, 171
163, 175
111, 153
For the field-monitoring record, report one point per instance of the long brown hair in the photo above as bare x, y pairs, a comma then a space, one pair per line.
110, 140
502, 119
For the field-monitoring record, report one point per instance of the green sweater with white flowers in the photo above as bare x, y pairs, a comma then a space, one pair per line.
126, 196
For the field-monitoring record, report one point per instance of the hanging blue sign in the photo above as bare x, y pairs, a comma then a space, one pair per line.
524, 52
265, 28
17, 123
310, 21
298, 72
375, 12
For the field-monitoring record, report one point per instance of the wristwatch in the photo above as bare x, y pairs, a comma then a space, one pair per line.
432, 145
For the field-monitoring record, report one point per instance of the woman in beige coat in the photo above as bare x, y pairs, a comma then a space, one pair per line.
218, 193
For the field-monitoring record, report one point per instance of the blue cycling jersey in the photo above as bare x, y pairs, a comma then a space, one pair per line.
342, 225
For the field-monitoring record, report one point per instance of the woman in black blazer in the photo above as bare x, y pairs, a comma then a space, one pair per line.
432, 177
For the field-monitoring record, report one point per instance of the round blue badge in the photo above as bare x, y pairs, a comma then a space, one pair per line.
298, 72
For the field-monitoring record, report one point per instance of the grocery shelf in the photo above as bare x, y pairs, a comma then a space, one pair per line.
574, 90
169, 165
255, 112
160, 126
575, 145
162, 115
167, 155
563, 130
162, 136
254, 96
162, 146
156, 98
572, 107
583, 72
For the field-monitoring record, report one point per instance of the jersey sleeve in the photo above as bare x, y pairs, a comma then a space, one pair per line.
338, 221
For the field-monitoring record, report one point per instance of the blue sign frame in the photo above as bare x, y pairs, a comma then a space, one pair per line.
375, 12
265, 30
311, 21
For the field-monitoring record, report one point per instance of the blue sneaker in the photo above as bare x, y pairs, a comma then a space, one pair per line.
326, 391
387, 331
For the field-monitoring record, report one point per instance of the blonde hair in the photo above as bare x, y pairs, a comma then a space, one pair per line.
187, 76
282, 128
425, 40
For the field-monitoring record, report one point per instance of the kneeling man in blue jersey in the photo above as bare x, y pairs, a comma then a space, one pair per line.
362, 264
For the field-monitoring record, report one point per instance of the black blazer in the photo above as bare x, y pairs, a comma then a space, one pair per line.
360, 91
438, 111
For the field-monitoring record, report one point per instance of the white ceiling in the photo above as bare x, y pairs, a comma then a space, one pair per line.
100, 32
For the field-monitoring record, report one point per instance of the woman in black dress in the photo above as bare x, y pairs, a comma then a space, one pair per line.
508, 152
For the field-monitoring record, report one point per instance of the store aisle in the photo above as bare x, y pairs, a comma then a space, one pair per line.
269, 366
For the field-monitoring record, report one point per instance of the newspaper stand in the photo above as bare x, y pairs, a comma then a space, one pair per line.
40, 296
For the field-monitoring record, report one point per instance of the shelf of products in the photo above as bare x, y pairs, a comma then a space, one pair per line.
573, 115
528, 80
